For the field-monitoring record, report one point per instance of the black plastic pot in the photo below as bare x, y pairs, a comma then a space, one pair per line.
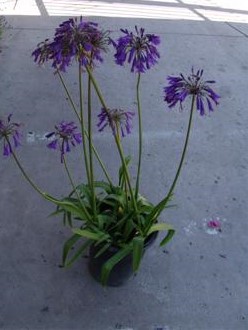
122, 271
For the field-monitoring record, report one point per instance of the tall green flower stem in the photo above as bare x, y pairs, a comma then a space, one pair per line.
86, 133
86, 162
159, 208
38, 190
68, 93
117, 141
125, 179
127, 176
90, 150
75, 188
140, 137
29, 180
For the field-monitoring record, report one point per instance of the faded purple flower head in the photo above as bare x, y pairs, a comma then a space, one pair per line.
119, 121
180, 88
137, 48
214, 224
73, 39
64, 136
9, 130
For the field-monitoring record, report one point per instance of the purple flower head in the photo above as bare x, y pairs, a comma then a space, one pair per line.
180, 88
9, 130
64, 136
137, 48
73, 39
119, 121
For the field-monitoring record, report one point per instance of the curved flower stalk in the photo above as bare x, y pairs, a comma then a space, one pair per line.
178, 90
11, 136
10, 130
140, 50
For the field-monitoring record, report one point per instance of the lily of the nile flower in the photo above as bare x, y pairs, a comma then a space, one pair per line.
137, 48
180, 88
117, 119
7, 130
65, 135
73, 39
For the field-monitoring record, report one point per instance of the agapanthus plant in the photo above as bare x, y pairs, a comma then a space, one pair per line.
107, 213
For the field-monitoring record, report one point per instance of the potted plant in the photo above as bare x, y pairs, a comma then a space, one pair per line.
110, 217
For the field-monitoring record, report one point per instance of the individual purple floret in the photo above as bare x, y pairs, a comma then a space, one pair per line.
137, 48
65, 135
117, 119
9, 130
73, 39
180, 88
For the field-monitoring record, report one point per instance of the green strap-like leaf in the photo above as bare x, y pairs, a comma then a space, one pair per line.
84, 191
129, 227
159, 208
89, 234
103, 220
161, 227
68, 245
78, 253
104, 185
123, 221
102, 250
138, 248
73, 209
168, 237
119, 198
58, 211
69, 219
108, 266
108, 202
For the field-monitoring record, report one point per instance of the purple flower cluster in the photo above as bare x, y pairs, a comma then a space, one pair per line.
65, 135
73, 39
117, 119
7, 130
137, 48
180, 88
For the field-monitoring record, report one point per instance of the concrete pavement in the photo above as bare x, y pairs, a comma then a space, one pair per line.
200, 280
